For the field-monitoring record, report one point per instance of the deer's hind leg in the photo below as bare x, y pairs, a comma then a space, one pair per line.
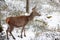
7, 33
10, 31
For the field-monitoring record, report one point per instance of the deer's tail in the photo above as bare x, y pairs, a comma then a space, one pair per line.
7, 20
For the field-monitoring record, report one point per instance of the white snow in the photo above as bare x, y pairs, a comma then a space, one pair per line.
17, 5
49, 36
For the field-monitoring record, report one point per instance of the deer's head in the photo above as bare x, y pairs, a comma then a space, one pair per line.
34, 12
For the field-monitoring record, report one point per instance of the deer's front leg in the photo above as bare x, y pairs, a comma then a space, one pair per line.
22, 31
10, 31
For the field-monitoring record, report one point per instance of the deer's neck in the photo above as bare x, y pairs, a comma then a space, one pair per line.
31, 17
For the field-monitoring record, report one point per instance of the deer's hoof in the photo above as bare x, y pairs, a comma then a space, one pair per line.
24, 35
14, 38
18, 36
21, 37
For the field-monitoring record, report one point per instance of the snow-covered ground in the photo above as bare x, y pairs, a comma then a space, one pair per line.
31, 35
44, 27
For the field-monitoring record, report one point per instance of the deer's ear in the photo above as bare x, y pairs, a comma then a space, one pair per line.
34, 8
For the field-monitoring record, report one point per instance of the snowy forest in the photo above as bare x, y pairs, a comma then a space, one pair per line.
43, 27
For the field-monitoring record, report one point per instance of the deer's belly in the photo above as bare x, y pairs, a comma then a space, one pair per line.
19, 24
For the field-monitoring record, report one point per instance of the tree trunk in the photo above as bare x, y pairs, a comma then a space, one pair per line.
1, 29
27, 6
0, 17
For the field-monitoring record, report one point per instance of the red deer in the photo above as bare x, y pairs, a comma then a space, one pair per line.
20, 21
